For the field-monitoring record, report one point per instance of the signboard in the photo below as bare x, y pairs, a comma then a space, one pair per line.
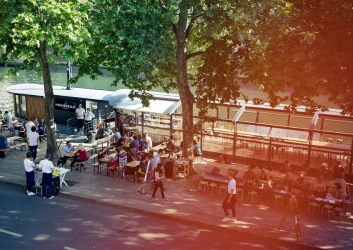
65, 105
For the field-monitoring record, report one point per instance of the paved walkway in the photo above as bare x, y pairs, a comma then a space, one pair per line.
188, 205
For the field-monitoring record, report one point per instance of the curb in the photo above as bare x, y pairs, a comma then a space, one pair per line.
189, 222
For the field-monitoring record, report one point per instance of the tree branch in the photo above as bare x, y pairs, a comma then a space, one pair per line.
197, 53
193, 19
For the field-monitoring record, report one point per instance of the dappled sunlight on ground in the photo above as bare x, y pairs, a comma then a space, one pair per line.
64, 229
41, 237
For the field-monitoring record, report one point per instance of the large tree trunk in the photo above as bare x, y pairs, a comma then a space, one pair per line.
48, 101
186, 97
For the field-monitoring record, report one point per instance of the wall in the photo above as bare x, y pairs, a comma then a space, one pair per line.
34, 107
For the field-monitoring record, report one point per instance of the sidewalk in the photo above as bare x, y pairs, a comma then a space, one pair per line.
192, 207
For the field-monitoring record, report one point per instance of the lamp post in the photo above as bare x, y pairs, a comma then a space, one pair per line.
69, 75
105, 116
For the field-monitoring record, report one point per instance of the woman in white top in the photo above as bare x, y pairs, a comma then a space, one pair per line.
29, 165
231, 198
33, 141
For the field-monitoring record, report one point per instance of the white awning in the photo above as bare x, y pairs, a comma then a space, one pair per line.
163, 104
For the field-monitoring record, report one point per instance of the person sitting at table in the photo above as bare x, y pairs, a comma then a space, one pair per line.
115, 138
22, 131
300, 182
121, 141
131, 137
132, 155
338, 170
107, 131
197, 148
67, 150
12, 124
142, 143
170, 144
135, 144
287, 182
79, 156
140, 173
122, 161
250, 176
99, 131
263, 180
285, 168
103, 153
325, 172
113, 163
4, 144
335, 193
342, 182
318, 188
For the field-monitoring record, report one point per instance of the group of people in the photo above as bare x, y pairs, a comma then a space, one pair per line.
300, 184
47, 168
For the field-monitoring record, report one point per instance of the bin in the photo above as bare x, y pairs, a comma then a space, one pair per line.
91, 137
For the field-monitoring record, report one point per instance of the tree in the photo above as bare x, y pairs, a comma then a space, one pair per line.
35, 31
311, 58
178, 43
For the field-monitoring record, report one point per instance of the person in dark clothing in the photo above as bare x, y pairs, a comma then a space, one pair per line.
135, 144
156, 178
141, 172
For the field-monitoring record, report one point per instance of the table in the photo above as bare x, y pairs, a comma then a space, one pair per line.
13, 139
160, 146
103, 140
103, 161
58, 172
133, 164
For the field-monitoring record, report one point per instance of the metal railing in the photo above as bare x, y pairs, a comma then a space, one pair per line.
72, 125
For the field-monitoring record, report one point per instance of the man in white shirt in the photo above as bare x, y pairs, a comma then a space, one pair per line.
156, 158
88, 119
33, 142
149, 141
47, 168
231, 198
29, 167
12, 124
29, 125
80, 114
8, 117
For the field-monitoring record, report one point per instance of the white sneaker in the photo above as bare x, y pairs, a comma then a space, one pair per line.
156, 199
27, 191
30, 193
52, 197
226, 219
165, 199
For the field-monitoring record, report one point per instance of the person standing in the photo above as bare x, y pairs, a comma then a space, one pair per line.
8, 117
33, 141
29, 167
80, 114
231, 198
88, 119
149, 141
141, 172
29, 125
47, 168
156, 178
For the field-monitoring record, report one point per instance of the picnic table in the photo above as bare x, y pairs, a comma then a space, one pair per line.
58, 172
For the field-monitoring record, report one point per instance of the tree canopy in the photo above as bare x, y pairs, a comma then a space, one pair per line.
36, 31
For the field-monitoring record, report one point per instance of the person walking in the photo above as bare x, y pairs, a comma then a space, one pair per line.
33, 141
141, 172
156, 179
47, 168
231, 198
29, 167
80, 114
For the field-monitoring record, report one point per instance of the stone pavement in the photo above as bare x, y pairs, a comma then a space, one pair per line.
193, 207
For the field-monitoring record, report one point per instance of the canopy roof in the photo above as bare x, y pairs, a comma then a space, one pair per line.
163, 103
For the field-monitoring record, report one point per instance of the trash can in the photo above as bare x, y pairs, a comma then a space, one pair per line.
91, 137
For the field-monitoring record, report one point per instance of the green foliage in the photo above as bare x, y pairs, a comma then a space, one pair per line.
60, 23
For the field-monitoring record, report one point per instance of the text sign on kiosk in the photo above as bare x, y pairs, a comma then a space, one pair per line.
65, 105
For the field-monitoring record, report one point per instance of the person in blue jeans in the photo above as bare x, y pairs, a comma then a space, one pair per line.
47, 168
